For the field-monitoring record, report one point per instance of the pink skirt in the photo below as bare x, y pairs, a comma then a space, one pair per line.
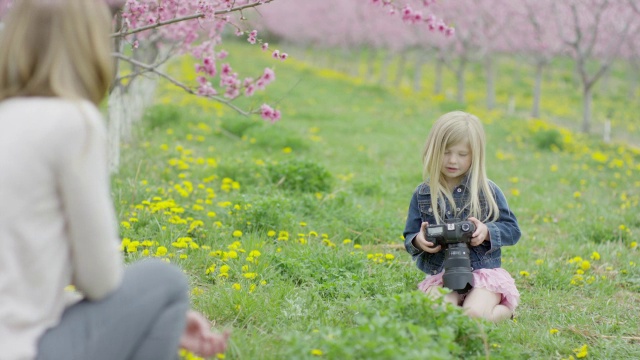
495, 280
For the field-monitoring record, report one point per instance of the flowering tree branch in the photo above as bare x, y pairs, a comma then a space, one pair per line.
188, 89
189, 17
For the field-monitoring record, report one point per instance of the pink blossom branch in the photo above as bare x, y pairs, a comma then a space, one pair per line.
153, 69
188, 17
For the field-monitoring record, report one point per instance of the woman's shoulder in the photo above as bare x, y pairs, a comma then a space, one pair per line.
50, 108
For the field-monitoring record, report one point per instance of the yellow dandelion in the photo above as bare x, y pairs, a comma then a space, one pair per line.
524, 273
161, 251
585, 265
316, 352
595, 256
237, 233
236, 286
553, 331
581, 352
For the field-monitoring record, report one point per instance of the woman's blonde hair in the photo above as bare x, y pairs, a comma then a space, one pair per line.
451, 129
56, 48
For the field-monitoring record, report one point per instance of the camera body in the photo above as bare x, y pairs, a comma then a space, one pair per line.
454, 238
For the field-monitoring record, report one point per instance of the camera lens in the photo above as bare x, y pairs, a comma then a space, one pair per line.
465, 227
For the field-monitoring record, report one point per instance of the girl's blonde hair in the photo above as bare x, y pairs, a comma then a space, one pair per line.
451, 129
56, 48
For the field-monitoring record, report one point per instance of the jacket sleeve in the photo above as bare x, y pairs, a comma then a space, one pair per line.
412, 227
505, 231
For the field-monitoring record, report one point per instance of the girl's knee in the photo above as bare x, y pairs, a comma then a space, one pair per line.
157, 273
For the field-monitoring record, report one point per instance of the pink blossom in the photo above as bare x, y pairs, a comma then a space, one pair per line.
284, 56
265, 46
207, 90
226, 69
268, 113
276, 54
268, 76
250, 90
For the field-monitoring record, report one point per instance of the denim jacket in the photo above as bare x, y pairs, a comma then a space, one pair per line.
503, 232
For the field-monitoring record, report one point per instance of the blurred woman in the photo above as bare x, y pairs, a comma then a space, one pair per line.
57, 224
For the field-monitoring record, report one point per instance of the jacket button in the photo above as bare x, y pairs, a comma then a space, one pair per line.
459, 190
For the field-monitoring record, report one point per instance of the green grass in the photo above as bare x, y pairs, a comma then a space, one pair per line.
305, 217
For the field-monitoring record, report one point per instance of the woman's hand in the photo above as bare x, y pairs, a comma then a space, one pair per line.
198, 338
481, 234
421, 242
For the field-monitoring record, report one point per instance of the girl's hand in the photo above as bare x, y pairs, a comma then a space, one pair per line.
421, 242
198, 338
481, 234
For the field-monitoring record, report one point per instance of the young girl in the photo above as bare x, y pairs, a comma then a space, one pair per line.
456, 188
57, 223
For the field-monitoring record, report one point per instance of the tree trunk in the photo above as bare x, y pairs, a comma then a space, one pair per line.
384, 71
537, 90
491, 75
586, 108
370, 69
437, 86
400, 70
417, 73
115, 115
460, 80
633, 79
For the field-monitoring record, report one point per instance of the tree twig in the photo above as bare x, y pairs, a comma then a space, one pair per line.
188, 89
188, 17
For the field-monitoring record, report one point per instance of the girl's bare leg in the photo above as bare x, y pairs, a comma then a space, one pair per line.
434, 292
485, 304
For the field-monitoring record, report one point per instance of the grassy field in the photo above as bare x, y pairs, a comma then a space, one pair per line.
290, 232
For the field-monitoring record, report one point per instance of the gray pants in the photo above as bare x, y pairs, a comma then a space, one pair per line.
141, 320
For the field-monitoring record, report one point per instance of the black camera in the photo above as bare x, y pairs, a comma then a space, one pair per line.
454, 238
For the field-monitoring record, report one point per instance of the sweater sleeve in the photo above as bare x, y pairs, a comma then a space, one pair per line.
85, 191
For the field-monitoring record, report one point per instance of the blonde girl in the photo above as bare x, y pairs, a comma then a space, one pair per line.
456, 188
58, 226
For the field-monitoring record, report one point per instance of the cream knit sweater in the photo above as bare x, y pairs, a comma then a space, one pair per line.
57, 222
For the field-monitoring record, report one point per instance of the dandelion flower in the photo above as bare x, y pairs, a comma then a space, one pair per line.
316, 352
585, 265
553, 331
581, 352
